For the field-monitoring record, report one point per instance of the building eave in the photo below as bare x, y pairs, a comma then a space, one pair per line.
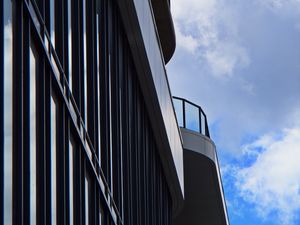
165, 27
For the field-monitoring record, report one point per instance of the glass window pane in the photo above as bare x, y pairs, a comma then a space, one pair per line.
32, 85
192, 117
8, 111
178, 111
53, 160
71, 183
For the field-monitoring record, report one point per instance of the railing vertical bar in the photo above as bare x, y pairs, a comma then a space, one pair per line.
183, 110
200, 111
206, 128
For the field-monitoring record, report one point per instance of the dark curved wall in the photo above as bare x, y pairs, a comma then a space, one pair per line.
202, 199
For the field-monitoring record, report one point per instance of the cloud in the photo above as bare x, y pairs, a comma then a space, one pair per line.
272, 182
209, 30
282, 6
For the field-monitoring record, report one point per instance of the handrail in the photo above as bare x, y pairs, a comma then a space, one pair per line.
190, 116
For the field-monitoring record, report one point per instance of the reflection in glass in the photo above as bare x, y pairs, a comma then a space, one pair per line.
8, 111
71, 183
70, 42
53, 160
192, 117
179, 111
32, 85
98, 83
52, 22
87, 186
101, 215
85, 60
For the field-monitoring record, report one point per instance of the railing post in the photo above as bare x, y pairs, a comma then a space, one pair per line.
206, 128
183, 112
200, 111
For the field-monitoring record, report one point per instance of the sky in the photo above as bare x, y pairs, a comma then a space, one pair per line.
240, 60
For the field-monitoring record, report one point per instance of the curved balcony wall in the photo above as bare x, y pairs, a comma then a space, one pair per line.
204, 199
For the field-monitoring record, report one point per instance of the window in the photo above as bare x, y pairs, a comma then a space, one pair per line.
53, 161
32, 152
8, 110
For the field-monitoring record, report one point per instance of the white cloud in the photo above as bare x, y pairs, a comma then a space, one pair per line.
283, 7
272, 182
209, 30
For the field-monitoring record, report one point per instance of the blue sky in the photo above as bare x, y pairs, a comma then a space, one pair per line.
240, 60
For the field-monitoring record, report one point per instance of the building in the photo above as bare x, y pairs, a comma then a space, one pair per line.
204, 201
88, 129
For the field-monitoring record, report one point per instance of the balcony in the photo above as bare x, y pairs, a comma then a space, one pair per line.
204, 199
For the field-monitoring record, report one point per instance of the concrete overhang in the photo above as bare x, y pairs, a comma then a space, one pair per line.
165, 27
204, 199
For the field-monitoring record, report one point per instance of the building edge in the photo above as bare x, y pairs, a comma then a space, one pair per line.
144, 41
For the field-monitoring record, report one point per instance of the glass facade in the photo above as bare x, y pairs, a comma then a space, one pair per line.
85, 152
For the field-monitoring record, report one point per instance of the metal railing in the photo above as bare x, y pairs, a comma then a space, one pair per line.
190, 116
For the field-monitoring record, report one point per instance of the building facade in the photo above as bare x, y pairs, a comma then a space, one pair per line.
88, 131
